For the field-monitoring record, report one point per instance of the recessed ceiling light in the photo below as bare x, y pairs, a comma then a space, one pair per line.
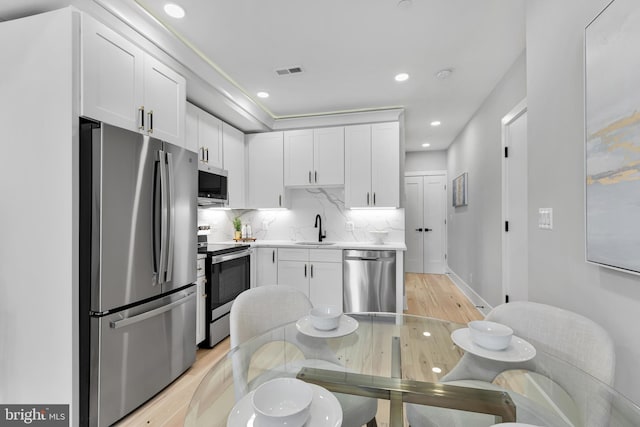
262, 94
426, 145
402, 77
435, 123
173, 10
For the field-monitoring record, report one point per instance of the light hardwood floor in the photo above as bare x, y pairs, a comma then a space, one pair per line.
427, 295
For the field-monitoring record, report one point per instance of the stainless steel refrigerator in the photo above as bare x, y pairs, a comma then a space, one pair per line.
138, 227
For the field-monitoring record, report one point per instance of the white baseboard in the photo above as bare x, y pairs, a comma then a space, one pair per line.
481, 305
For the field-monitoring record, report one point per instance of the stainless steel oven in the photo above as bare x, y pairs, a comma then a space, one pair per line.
228, 274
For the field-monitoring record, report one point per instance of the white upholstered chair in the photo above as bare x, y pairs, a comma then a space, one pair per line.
567, 336
258, 310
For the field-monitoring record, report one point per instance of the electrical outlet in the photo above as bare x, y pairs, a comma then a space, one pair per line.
349, 226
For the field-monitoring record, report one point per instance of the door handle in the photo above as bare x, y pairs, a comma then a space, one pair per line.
418, 229
172, 215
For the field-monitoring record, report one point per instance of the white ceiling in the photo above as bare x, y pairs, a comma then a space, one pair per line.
350, 50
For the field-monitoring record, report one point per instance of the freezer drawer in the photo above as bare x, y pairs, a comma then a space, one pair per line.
138, 352
369, 281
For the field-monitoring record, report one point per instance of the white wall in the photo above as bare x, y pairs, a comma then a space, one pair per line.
38, 219
558, 273
475, 231
425, 161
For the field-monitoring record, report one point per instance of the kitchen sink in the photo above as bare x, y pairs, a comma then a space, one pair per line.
315, 243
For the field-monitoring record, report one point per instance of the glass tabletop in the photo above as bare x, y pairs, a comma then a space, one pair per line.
401, 359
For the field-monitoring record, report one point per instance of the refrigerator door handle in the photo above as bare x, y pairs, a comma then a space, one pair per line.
117, 324
163, 217
171, 210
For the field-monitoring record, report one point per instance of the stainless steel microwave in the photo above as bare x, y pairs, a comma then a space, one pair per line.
212, 186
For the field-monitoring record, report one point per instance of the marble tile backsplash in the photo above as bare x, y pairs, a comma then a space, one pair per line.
297, 222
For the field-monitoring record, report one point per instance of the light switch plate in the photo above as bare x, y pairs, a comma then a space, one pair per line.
545, 218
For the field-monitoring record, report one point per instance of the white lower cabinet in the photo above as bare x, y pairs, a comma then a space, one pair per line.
201, 296
316, 272
266, 266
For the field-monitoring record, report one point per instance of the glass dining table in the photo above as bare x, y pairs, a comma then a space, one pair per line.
399, 360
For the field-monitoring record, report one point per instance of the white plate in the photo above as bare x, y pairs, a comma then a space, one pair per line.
325, 411
346, 326
519, 350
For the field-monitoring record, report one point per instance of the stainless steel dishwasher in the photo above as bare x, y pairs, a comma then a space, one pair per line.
369, 281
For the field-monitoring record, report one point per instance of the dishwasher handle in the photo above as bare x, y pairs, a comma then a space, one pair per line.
363, 258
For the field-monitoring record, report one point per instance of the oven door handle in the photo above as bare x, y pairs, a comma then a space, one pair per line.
228, 257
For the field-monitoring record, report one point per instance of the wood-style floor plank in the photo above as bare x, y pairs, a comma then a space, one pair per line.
428, 295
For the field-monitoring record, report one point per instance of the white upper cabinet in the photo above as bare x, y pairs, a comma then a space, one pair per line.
265, 186
328, 156
314, 157
234, 163
205, 134
124, 86
372, 165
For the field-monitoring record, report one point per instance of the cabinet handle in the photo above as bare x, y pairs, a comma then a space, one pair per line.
316, 176
273, 256
280, 200
141, 111
312, 271
309, 177
206, 150
150, 114
305, 270
418, 229
367, 199
374, 199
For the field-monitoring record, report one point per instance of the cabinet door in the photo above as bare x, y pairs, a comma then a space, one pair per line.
267, 266
233, 161
298, 157
165, 99
385, 164
112, 76
191, 129
357, 166
265, 162
328, 156
325, 285
295, 274
210, 138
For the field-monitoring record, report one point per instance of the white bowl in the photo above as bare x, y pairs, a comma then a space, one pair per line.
379, 236
490, 335
325, 317
283, 401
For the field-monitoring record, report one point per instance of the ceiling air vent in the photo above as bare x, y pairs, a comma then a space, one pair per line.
288, 71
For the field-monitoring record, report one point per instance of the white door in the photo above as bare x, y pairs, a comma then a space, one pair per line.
385, 165
357, 166
265, 185
414, 237
328, 156
298, 157
325, 285
295, 274
434, 224
233, 162
515, 281
165, 97
425, 234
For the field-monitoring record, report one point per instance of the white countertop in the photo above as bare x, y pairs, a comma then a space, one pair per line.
389, 246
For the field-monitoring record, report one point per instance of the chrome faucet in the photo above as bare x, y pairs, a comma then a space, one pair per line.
319, 221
